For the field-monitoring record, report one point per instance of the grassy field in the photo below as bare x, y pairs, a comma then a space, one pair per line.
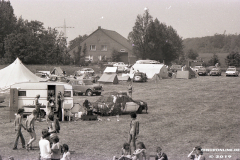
182, 114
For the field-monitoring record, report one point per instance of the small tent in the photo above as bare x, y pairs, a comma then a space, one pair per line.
16, 73
188, 73
57, 71
110, 70
108, 78
150, 70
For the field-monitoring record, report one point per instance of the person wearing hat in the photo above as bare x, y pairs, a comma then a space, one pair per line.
37, 106
44, 145
18, 125
198, 154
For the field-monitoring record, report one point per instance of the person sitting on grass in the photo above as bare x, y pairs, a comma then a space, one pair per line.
126, 153
66, 153
44, 145
30, 122
140, 153
160, 155
56, 148
198, 154
18, 125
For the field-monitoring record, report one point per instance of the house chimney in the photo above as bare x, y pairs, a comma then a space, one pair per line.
99, 27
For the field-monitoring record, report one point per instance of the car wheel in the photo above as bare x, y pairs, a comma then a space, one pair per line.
139, 111
89, 93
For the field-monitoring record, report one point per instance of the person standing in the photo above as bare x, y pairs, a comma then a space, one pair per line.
18, 125
37, 107
44, 145
30, 121
59, 103
88, 107
198, 154
130, 89
134, 130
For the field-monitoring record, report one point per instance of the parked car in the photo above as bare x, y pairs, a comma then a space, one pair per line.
86, 87
120, 66
123, 104
215, 72
202, 71
175, 68
140, 77
86, 70
232, 72
196, 68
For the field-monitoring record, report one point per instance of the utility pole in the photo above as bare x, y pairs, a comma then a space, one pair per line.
64, 29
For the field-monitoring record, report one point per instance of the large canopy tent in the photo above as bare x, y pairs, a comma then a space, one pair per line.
16, 73
150, 70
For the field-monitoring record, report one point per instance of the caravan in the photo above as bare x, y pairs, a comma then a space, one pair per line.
22, 95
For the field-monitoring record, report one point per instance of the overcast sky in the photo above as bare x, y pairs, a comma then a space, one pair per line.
191, 18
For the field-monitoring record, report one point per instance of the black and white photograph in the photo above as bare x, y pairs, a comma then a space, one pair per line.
119, 79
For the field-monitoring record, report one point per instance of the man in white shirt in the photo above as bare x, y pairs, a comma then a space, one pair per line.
44, 145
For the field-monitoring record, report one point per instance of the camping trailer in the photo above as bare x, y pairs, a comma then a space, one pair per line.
22, 95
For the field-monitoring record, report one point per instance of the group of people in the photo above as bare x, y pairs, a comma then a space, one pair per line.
140, 151
50, 148
51, 106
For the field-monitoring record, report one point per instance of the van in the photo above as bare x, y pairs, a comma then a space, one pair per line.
22, 95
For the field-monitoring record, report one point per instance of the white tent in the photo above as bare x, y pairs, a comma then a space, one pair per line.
15, 73
150, 70
110, 70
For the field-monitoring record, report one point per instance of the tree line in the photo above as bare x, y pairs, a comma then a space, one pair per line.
29, 40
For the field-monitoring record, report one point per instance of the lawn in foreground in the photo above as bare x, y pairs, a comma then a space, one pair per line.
182, 114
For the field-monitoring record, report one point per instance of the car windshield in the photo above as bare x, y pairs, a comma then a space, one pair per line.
215, 69
231, 69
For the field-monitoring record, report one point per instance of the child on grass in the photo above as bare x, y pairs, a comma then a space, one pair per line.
126, 152
160, 155
56, 149
140, 153
66, 153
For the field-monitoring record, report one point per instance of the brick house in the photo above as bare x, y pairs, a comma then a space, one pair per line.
101, 43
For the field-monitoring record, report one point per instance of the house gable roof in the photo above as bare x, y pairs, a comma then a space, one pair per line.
111, 34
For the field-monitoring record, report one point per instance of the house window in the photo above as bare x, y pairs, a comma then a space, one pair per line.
122, 50
21, 93
89, 58
93, 48
104, 48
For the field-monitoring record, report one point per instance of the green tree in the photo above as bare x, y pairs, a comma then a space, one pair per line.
7, 23
155, 40
76, 41
191, 54
115, 56
138, 36
214, 59
233, 59
33, 44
